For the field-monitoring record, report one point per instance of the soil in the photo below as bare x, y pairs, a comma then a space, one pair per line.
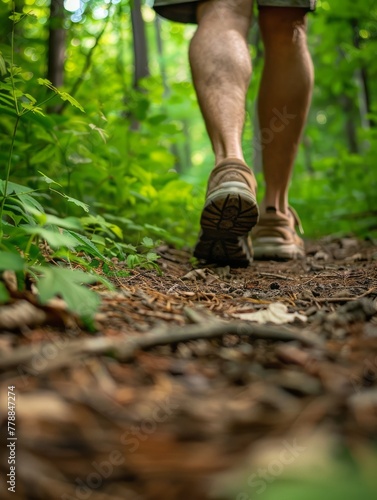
178, 393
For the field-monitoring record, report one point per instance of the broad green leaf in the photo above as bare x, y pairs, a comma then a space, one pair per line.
14, 188
152, 256
4, 295
11, 262
54, 237
67, 284
147, 242
66, 223
116, 230
132, 261
30, 203
98, 240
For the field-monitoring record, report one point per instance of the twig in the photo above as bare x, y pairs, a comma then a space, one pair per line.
344, 299
280, 276
126, 349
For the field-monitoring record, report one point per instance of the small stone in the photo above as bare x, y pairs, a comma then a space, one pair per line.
321, 256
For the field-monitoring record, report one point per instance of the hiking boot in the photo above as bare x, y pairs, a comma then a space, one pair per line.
275, 237
229, 213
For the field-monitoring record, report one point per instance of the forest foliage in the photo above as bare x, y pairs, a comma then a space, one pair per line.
113, 157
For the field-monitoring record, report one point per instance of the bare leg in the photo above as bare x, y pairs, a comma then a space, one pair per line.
221, 69
284, 97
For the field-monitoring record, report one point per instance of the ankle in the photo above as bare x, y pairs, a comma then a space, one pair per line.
276, 202
231, 161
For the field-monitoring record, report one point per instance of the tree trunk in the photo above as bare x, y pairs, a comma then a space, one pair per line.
56, 44
160, 52
362, 77
350, 128
140, 44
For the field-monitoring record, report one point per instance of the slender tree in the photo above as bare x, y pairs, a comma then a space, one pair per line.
56, 43
362, 76
140, 47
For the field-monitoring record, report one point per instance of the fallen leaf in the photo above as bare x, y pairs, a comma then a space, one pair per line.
275, 313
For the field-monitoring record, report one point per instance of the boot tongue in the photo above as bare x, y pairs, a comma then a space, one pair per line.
270, 210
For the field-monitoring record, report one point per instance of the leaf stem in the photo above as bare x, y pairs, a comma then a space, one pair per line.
12, 61
28, 246
7, 174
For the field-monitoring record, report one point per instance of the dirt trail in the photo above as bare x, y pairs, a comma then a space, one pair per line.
131, 412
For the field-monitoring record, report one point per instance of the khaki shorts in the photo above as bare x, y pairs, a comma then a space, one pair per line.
184, 11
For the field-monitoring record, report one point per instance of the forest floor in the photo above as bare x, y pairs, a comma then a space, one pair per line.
187, 389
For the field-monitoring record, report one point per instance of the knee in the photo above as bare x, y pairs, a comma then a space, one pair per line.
283, 27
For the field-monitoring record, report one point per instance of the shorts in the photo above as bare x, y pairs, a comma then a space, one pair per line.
183, 11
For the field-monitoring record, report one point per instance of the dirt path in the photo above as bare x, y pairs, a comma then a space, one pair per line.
245, 410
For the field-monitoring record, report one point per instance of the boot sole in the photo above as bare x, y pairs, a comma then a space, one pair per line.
228, 216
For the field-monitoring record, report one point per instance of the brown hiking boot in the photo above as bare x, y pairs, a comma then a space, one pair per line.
229, 213
275, 237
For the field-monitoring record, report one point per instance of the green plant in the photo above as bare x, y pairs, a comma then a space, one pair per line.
24, 224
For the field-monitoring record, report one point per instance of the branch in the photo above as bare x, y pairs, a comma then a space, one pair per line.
126, 349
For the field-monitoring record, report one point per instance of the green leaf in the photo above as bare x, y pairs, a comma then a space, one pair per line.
8, 111
66, 97
46, 83
29, 203
147, 242
14, 188
155, 229
16, 17
7, 99
47, 179
152, 256
132, 261
66, 223
102, 133
87, 245
11, 262
3, 68
53, 236
31, 107
67, 284
44, 154
63, 95
4, 295
79, 203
